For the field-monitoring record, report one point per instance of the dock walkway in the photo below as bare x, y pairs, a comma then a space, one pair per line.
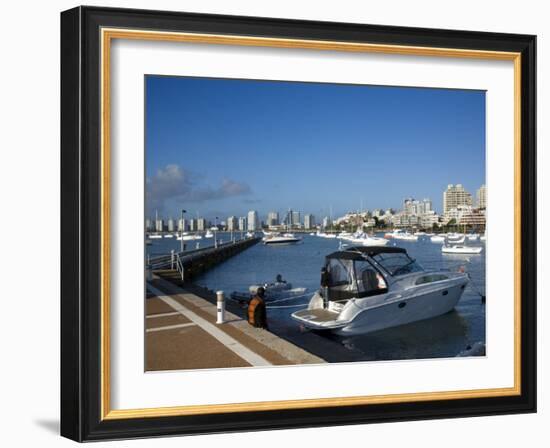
181, 333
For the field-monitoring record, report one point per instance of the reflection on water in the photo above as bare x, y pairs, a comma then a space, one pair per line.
443, 336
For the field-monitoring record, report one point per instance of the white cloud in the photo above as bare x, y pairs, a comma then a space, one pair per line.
174, 182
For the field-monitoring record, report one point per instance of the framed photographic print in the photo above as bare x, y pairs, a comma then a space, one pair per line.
272, 223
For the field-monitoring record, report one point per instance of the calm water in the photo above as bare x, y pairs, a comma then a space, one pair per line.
443, 336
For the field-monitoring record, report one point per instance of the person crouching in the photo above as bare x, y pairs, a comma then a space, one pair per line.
257, 315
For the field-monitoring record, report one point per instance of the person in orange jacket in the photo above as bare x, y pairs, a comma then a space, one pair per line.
257, 315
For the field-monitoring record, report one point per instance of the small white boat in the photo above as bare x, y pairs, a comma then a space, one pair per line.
280, 240
250, 234
461, 249
365, 289
399, 234
155, 236
456, 238
279, 289
168, 235
473, 236
367, 240
209, 234
437, 239
346, 235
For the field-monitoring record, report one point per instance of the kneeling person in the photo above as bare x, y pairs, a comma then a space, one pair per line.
257, 315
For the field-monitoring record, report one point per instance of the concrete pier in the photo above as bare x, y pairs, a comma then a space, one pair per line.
195, 262
181, 333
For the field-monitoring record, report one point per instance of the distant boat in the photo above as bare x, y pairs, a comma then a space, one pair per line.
366, 240
473, 236
456, 238
155, 236
461, 249
286, 238
209, 234
437, 239
399, 234
168, 235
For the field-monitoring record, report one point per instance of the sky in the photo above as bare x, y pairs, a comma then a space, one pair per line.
221, 147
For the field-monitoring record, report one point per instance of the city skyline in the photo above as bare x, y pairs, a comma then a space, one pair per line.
220, 147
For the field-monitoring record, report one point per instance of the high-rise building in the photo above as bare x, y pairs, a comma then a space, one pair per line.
201, 224
309, 221
455, 196
295, 219
482, 197
253, 223
193, 225
159, 225
171, 225
232, 223
273, 219
242, 223
182, 225
148, 224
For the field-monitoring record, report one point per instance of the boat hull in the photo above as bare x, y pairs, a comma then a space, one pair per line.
401, 312
397, 311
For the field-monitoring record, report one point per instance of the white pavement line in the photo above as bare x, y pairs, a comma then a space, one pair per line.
152, 316
236, 347
171, 327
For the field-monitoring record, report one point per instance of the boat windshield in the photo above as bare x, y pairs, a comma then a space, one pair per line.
397, 263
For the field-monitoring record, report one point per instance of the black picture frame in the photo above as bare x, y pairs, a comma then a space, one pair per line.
81, 224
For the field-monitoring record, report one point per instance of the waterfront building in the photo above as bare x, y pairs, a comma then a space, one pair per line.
428, 219
309, 221
171, 225
182, 225
242, 223
232, 223
457, 213
201, 224
474, 217
159, 225
295, 219
253, 223
273, 219
455, 196
148, 224
482, 197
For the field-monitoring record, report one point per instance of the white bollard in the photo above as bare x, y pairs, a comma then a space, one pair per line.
220, 307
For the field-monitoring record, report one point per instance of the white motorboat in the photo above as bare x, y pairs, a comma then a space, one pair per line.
250, 234
279, 289
365, 289
367, 240
277, 239
461, 249
187, 237
437, 239
209, 234
456, 238
346, 235
473, 236
399, 234
155, 236
168, 235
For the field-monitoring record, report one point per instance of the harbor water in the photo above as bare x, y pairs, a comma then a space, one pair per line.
444, 336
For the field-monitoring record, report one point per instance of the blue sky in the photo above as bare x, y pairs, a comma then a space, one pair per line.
221, 147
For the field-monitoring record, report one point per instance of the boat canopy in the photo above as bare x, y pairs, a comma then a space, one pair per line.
359, 252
